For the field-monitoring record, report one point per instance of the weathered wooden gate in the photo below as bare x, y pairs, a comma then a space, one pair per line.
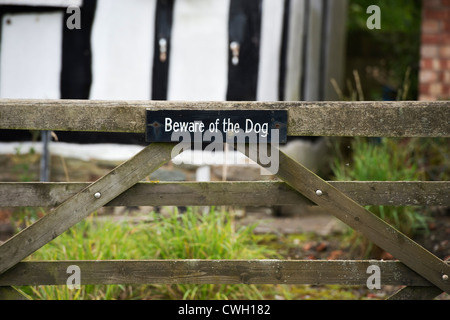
424, 275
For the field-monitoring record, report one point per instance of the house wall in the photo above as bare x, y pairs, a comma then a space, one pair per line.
434, 77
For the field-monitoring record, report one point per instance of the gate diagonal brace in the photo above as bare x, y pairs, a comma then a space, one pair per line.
357, 217
79, 206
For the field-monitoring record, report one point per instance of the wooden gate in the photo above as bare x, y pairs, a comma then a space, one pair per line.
423, 274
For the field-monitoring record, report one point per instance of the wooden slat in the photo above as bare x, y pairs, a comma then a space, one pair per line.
10, 293
316, 272
256, 193
389, 119
83, 203
351, 213
396, 193
416, 293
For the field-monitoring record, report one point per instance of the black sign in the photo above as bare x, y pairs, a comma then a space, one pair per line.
201, 125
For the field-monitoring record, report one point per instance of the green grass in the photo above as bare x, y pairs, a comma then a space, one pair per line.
394, 159
191, 235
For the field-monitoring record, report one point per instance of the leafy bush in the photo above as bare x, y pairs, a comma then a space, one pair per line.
393, 159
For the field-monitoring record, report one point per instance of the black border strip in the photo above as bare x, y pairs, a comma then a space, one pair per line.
76, 65
244, 26
324, 47
283, 51
163, 29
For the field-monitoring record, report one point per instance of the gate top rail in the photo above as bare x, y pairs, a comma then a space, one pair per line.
348, 118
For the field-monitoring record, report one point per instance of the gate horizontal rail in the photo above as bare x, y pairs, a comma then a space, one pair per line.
370, 119
230, 193
316, 272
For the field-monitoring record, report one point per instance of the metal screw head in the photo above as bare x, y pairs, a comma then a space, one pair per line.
444, 277
97, 195
319, 192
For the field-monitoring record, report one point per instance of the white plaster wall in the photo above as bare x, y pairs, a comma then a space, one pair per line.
122, 49
30, 55
199, 55
270, 48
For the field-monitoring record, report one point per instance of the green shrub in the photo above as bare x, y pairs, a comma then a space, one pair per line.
392, 159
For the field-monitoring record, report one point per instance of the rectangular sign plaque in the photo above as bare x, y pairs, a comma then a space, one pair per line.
201, 125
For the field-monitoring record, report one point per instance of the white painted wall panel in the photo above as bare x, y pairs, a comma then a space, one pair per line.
122, 49
199, 55
270, 47
31, 51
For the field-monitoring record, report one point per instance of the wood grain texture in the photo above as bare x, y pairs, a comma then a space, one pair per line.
416, 293
316, 272
371, 119
255, 193
10, 293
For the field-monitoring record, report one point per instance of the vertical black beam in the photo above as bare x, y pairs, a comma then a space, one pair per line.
163, 30
324, 47
76, 69
244, 28
283, 51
